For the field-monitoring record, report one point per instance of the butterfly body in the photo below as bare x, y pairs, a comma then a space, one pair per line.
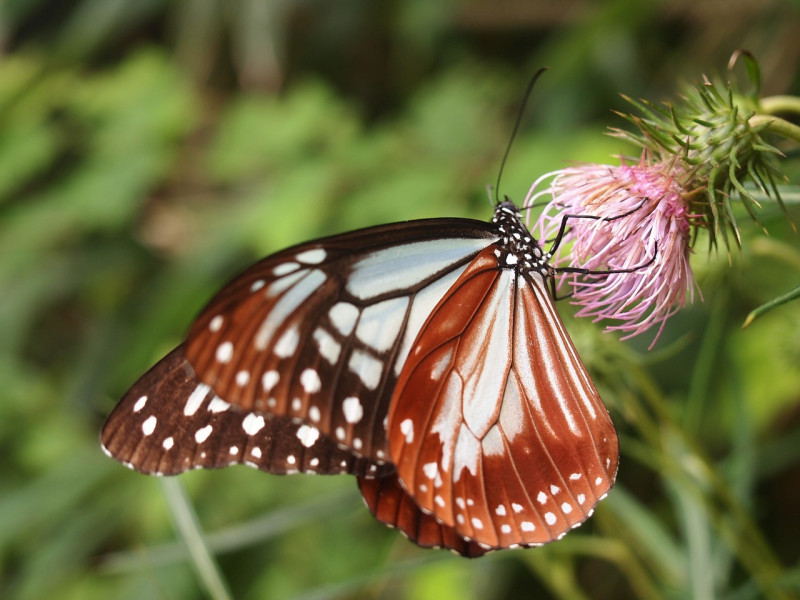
427, 358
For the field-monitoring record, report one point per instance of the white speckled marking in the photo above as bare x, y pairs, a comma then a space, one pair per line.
195, 399
256, 451
310, 381
598, 481
581, 498
340, 433
242, 378
307, 435
541, 497
343, 316
168, 443
140, 404
527, 526
234, 450
269, 380
314, 462
224, 352
566, 508
291, 459
407, 429
285, 268
550, 518
253, 423
218, 405
517, 507
554, 489
439, 501
314, 414
215, 324
287, 343
430, 469
149, 425
477, 523
575, 477
329, 348
257, 285
357, 443
201, 435
352, 409
312, 257
505, 528
500, 511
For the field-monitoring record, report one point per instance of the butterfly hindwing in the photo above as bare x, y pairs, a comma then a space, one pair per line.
170, 422
319, 332
391, 505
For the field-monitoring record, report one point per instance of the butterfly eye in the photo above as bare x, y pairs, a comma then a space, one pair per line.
426, 358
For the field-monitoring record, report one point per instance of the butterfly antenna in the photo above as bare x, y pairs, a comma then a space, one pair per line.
520, 113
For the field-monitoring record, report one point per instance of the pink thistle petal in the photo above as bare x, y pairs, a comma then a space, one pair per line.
643, 227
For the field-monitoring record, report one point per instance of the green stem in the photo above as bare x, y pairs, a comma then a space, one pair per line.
189, 529
772, 105
776, 125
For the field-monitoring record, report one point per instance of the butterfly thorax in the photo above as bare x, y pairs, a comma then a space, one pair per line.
519, 250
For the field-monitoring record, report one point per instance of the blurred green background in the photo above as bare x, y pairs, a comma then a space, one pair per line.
151, 149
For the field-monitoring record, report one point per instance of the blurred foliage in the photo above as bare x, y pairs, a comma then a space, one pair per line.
149, 150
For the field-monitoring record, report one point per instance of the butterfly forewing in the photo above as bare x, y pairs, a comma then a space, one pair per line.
170, 422
495, 427
318, 333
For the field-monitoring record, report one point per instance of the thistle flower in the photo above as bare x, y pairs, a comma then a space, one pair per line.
639, 227
631, 228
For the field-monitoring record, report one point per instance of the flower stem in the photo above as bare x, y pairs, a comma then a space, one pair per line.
776, 125
779, 104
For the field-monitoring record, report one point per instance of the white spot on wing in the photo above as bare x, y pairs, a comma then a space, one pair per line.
352, 409
285, 268
343, 316
430, 469
500, 511
256, 452
310, 381
397, 268
527, 526
224, 352
287, 343
581, 498
312, 257
368, 368
314, 414
476, 523
215, 324
140, 404
598, 481
195, 399
554, 489
505, 528
380, 323
566, 508
253, 423
439, 501
269, 380
517, 507
149, 425
329, 348
299, 286
201, 435
407, 429
550, 518
218, 405
257, 285
168, 443
307, 435
242, 378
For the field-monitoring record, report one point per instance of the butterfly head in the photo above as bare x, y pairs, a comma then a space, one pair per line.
520, 250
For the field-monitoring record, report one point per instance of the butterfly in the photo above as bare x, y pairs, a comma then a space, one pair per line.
426, 358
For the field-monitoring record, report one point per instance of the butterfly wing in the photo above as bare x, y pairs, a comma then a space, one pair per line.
170, 422
319, 332
495, 427
390, 504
